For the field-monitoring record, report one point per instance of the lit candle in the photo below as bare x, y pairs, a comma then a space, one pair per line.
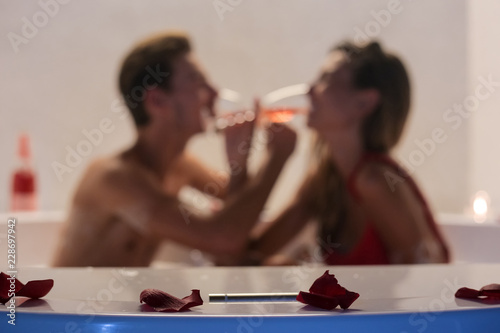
480, 206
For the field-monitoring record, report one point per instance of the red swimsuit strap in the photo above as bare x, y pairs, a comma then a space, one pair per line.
400, 175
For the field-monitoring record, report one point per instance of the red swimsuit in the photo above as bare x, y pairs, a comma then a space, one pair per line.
370, 249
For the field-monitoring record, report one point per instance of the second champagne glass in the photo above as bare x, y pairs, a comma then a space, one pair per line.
230, 110
284, 104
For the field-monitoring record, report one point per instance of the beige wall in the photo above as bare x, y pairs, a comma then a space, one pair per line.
483, 57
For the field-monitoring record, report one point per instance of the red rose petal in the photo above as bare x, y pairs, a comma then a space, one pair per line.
327, 293
319, 301
487, 294
492, 291
327, 285
164, 302
32, 289
5, 287
346, 300
467, 293
36, 288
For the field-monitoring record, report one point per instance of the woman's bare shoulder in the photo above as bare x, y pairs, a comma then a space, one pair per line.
380, 178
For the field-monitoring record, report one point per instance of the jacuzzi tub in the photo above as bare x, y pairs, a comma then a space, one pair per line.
470, 241
37, 235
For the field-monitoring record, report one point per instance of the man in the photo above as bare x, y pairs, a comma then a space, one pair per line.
126, 205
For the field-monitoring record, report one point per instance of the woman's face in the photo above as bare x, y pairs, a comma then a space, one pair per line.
335, 103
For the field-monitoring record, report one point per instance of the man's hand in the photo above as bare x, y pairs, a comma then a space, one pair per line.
238, 148
238, 143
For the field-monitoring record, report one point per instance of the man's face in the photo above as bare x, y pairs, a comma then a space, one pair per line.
190, 93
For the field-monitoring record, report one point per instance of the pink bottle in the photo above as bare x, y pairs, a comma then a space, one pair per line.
23, 179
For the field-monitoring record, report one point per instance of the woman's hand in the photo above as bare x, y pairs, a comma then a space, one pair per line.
281, 140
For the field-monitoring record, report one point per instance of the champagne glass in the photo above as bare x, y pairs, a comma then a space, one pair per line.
286, 104
230, 110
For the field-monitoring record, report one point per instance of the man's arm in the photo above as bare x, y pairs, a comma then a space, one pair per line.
220, 184
224, 232
202, 178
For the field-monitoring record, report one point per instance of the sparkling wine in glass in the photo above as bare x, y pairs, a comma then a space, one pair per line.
284, 104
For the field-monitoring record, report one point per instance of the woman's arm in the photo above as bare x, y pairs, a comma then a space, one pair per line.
273, 236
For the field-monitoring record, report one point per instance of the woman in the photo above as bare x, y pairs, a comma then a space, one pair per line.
367, 209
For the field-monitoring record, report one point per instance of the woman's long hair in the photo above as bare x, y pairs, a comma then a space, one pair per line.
370, 67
